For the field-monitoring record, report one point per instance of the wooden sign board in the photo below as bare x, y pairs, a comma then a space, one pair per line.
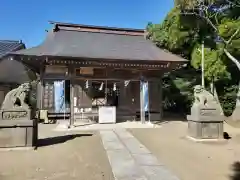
85, 71
56, 69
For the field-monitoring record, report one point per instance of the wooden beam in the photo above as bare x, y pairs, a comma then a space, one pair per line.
70, 73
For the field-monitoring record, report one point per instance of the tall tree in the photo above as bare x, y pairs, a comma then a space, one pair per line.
190, 22
222, 20
172, 36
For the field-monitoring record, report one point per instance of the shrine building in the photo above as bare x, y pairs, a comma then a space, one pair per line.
83, 68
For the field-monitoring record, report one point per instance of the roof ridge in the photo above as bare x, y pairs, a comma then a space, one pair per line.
102, 32
96, 27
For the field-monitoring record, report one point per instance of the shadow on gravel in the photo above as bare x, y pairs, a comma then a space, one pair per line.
59, 139
236, 171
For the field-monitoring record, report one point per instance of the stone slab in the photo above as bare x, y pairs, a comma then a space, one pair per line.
205, 130
132, 144
199, 118
113, 145
12, 137
124, 166
131, 160
18, 133
135, 147
123, 134
16, 123
158, 173
146, 160
108, 136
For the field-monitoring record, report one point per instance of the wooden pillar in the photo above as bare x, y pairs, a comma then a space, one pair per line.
70, 74
122, 109
71, 121
161, 99
129, 94
155, 100
40, 88
134, 96
39, 94
142, 110
122, 96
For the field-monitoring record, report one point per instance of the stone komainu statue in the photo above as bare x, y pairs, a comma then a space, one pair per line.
206, 118
17, 98
205, 99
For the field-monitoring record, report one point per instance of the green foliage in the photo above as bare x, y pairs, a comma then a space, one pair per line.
171, 35
227, 96
178, 89
226, 29
182, 34
215, 68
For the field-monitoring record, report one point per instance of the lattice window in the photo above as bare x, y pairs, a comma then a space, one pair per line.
48, 96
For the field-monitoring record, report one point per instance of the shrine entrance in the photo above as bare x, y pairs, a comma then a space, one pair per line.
89, 95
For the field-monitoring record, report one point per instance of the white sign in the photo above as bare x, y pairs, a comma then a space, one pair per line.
107, 114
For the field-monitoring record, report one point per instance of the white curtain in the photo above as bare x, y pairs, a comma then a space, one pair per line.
59, 96
144, 89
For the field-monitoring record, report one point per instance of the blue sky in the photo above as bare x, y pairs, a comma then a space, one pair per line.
28, 19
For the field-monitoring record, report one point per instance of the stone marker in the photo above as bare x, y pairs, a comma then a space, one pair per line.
206, 119
17, 129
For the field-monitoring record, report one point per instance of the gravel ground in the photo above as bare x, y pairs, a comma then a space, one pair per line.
190, 160
61, 157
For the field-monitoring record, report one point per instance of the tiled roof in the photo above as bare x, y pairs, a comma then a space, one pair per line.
7, 46
73, 41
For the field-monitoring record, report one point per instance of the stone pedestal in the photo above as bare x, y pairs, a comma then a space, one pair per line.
205, 123
17, 129
18, 133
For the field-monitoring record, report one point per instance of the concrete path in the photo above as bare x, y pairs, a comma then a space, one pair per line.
130, 160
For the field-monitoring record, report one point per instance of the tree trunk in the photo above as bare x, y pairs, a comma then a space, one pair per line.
214, 92
236, 113
238, 66
232, 58
212, 86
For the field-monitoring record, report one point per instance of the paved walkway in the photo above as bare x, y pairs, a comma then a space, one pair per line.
130, 160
